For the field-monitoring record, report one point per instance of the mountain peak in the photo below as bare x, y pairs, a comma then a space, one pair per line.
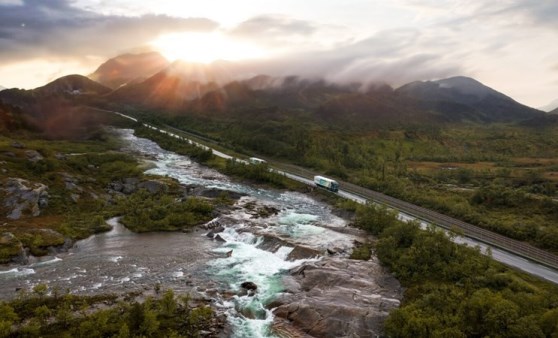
72, 84
127, 68
460, 94
467, 86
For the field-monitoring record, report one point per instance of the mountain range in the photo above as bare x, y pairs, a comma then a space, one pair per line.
149, 82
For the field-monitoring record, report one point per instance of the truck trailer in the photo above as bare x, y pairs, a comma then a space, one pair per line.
255, 160
326, 183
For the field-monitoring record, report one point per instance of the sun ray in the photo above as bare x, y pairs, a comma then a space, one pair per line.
205, 47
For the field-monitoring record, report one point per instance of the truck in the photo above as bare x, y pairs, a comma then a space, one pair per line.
326, 183
255, 160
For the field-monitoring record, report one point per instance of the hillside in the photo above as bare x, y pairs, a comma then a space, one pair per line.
466, 98
70, 86
11, 118
128, 68
197, 89
174, 86
555, 111
54, 108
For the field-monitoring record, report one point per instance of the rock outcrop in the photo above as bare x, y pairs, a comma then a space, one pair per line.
130, 185
10, 248
24, 198
33, 155
154, 187
338, 298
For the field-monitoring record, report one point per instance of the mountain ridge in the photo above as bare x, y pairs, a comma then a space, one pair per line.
183, 88
128, 68
550, 107
467, 96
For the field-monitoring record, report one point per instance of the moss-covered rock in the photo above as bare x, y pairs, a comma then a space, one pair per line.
10, 247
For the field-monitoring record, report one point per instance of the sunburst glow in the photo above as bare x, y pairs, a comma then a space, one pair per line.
205, 47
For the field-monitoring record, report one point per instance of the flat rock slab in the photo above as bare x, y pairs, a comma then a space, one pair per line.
338, 297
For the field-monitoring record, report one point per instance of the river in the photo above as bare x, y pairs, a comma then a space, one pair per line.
120, 260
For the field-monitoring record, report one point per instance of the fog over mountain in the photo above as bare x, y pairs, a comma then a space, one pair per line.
550, 107
126, 68
394, 42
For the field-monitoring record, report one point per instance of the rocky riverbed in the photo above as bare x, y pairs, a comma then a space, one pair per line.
275, 263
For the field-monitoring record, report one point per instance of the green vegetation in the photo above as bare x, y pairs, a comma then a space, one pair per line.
500, 177
78, 175
362, 252
65, 315
256, 173
453, 290
144, 212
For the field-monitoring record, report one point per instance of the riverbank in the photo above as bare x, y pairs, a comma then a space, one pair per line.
432, 267
284, 228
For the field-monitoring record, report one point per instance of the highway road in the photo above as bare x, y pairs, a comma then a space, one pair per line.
513, 253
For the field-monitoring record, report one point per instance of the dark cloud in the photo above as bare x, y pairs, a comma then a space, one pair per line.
54, 28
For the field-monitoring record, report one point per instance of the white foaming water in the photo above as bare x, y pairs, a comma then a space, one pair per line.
283, 252
18, 272
115, 259
298, 222
50, 261
247, 263
294, 218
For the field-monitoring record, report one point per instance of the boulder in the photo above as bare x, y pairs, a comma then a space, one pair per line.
249, 286
33, 155
302, 252
128, 188
215, 193
11, 248
116, 186
153, 186
18, 145
24, 197
75, 197
215, 231
219, 238
70, 182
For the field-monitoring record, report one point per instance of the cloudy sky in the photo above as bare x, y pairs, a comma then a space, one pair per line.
510, 45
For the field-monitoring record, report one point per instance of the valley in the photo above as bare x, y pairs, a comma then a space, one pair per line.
127, 213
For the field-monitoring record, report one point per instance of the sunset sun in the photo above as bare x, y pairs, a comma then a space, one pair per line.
205, 47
